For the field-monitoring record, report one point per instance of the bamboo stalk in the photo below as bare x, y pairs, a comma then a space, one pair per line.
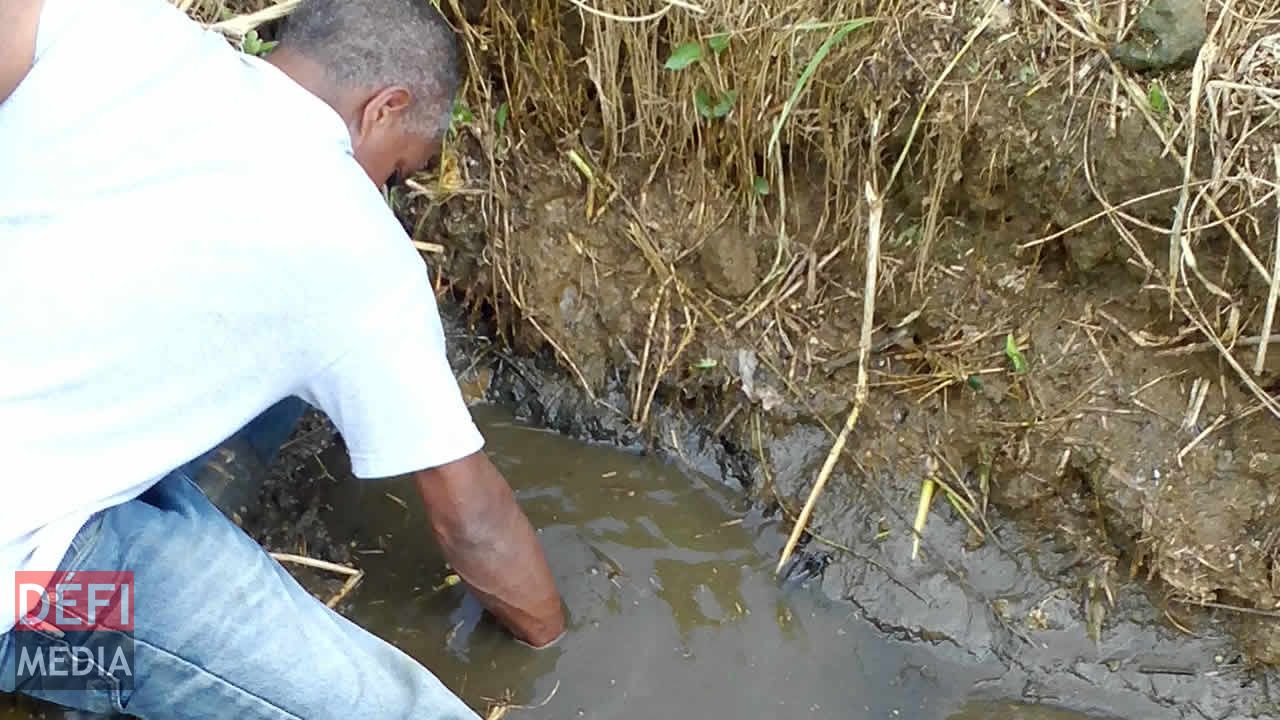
876, 203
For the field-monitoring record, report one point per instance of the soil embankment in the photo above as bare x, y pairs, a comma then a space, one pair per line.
1073, 280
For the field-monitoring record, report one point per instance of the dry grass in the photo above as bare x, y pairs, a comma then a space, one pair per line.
589, 77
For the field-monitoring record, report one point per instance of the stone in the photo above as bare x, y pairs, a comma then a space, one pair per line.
1170, 35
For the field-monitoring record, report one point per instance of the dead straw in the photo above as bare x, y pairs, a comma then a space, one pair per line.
354, 575
1270, 314
875, 204
240, 25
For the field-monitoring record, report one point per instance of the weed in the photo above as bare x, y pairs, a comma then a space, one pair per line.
1159, 103
717, 107
718, 43
1015, 355
462, 116
500, 119
254, 45
761, 186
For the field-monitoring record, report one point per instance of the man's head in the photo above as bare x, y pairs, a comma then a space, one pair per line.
390, 68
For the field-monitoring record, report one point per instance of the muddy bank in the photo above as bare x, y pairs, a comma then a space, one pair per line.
662, 569
1122, 471
1026, 600
1073, 268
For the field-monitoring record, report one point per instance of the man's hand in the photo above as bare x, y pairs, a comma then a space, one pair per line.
493, 548
18, 22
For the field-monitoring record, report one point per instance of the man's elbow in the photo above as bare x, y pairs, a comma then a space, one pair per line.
19, 21
470, 505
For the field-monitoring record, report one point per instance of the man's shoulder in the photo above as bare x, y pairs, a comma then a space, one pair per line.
327, 206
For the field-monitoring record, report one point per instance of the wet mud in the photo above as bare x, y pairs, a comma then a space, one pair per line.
1022, 602
674, 610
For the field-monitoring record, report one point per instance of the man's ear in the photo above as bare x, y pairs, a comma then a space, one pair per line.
384, 109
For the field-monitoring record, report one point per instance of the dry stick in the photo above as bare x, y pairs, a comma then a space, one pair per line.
1270, 315
1178, 242
240, 25
876, 203
621, 18
345, 590
316, 564
353, 579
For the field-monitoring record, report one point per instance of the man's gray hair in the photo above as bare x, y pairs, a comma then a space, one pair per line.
377, 43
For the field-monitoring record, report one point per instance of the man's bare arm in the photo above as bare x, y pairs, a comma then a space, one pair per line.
492, 546
18, 22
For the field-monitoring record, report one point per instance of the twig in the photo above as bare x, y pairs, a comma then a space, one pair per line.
346, 589
240, 25
316, 564
622, 18
1270, 315
875, 202
354, 575
500, 709
1192, 348
1233, 608
1178, 241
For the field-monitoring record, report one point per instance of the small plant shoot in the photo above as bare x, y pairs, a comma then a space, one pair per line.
1016, 358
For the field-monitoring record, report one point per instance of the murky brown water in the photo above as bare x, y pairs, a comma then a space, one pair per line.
673, 609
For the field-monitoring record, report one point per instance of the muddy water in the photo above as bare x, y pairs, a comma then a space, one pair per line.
673, 609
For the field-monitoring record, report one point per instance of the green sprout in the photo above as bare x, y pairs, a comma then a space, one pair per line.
1015, 355
254, 45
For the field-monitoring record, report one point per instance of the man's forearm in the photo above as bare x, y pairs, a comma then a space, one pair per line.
493, 547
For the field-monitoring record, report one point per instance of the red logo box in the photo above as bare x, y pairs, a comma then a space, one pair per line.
81, 601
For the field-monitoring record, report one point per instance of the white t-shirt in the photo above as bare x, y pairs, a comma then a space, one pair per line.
186, 239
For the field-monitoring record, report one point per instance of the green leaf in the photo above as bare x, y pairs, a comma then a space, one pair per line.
724, 103
684, 56
462, 114
704, 364
761, 186
975, 382
268, 47
1014, 354
1155, 96
717, 107
702, 101
501, 118
718, 43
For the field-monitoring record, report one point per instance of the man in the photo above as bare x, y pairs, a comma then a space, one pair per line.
188, 238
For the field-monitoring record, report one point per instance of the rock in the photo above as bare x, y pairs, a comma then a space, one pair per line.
1088, 250
729, 262
1170, 35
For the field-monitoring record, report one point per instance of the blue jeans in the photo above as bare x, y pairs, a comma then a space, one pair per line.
220, 629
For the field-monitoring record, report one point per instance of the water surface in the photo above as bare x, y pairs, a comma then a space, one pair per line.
674, 612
